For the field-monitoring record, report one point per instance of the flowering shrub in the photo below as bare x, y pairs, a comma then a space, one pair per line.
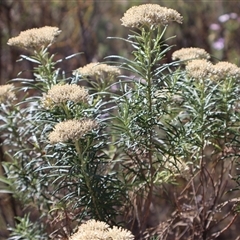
110, 147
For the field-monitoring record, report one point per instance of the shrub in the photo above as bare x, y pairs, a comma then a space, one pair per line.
105, 146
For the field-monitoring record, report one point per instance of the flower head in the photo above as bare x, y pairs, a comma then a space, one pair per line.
118, 233
223, 70
199, 68
6, 93
35, 38
71, 130
93, 229
62, 93
97, 69
190, 54
149, 14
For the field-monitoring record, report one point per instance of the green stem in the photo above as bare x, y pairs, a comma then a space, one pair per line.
45, 69
202, 123
149, 79
66, 110
87, 178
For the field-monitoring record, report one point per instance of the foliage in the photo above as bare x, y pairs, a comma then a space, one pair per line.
126, 141
26, 230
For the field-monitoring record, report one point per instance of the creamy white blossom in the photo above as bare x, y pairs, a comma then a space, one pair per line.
149, 14
35, 38
71, 130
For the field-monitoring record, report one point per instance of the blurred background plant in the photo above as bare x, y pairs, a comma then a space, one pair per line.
177, 102
25, 229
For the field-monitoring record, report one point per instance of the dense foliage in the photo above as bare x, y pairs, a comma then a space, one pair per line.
117, 141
